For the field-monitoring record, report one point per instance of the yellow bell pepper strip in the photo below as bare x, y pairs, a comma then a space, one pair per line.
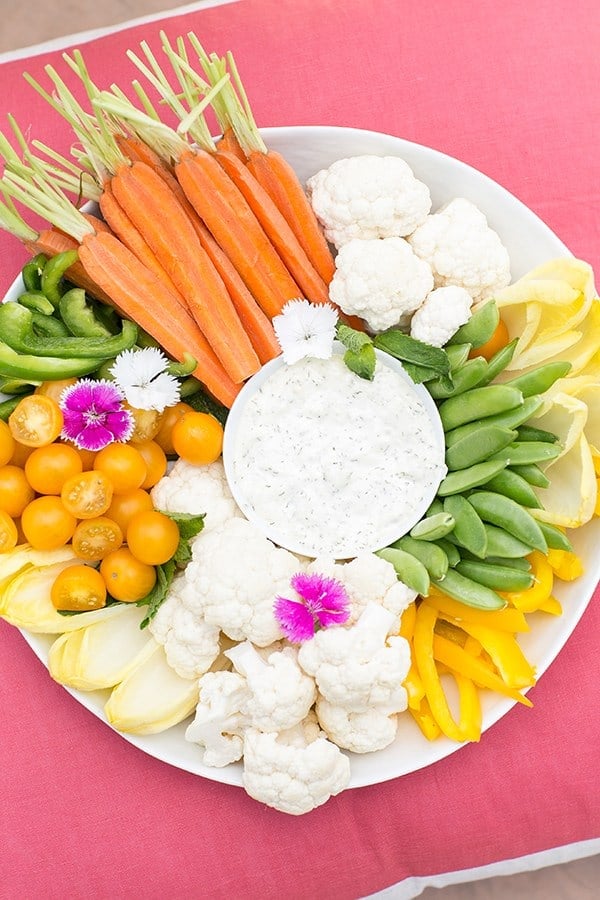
470, 707
530, 600
407, 621
503, 619
424, 642
450, 631
474, 668
552, 606
597, 506
413, 685
505, 653
473, 646
566, 565
424, 719
596, 460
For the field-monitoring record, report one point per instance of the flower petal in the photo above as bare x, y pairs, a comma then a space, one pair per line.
73, 423
294, 619
93, 437
120, 424
327, 617
320, 591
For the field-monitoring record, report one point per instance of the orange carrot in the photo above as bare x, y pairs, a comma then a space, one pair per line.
50, 242
276, 227
235, 228
230, 144
153, 210
137, 150
281, 182
122, 226
143, 298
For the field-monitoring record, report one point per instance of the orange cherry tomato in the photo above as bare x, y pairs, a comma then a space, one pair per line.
20, 455
156, 462
498, 340
15, 491
9, 534
171, 415
123, 465
146, 423
198, 438
7, 444
125, 577
47, 468
36, 421
93, 539
152, 537
54, 389
87, 458
125, 506
46, 523
87, 495
78, 588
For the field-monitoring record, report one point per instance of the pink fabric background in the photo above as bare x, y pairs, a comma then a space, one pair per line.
511, 89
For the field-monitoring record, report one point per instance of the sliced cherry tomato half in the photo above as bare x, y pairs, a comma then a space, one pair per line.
9, 534
93, 539
87, 495
78, 588
36, 421
7, 444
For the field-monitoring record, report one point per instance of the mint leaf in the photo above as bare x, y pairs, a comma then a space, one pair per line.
189, 526
164, 578
352, 339
362, 362
408, 349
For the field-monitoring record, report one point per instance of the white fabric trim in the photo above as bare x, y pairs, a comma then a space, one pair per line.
83, 37
414, 887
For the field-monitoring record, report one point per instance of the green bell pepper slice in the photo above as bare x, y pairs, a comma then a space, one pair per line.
43, 368
78, 316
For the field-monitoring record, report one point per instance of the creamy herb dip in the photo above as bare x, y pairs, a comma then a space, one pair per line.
330, 463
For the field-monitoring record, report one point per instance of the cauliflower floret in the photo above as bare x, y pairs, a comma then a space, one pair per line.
362, 732
218, 724
368, 197
191, 644
233, 580
197, 489
462, 249
368, 579
358, 668
280, 693
293, 771
381, 281
441, 315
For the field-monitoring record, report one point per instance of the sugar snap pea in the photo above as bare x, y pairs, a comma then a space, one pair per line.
478, 403
431, 528
512, 517
457, 355
480, 327
409, 569
532, 475
469, 592
463, 379
462, 480
527, 433
499, 578
469, 530
541, 378
53, 272
528, 452
478, 446
433, 557
512, 418
32, 272
514, 486
499, 361
450, 550
517, 562
555, 538
502, 543
436, 507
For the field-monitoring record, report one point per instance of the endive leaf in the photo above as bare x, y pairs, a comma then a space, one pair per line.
570, 499
566, 417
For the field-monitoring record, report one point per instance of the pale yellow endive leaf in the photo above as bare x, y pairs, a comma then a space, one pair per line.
565, 416
570, 499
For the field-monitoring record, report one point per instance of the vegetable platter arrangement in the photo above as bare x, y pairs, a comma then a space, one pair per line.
297, 480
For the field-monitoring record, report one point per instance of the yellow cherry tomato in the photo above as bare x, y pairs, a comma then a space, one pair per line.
20, 455
498, 340
152, 537
93, 539
123, 465
125, 577
15, 491
47, 468
125, 506
36, 421
7, 444
156, 462
198, 438
87, 458
78, 588
46, 523
146, 423
9, 534
54, 389
171, 415
87, 495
